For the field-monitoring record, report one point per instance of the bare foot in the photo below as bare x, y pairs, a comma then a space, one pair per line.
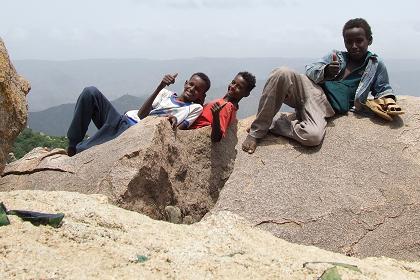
250, 144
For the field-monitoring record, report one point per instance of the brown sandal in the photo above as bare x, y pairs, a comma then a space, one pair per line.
377, 106
392, 108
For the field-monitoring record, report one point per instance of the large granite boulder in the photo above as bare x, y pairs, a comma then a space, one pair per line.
13, 106
146, 169
100, 241
358, 193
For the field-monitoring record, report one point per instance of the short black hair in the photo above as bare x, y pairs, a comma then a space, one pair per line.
358, 22
249, 78
204, 77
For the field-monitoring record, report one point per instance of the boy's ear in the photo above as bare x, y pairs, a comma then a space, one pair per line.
370, 40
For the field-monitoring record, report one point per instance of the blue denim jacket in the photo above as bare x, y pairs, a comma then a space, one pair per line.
374, 80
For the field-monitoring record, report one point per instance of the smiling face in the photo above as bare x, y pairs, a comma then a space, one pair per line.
194, 90
238, 88
356, 43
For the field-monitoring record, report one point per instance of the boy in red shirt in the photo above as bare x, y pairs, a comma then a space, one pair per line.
219, 113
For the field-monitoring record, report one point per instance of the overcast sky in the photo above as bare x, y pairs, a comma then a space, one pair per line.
165, 29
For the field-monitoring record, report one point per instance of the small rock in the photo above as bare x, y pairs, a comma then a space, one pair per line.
188, 220
173, 214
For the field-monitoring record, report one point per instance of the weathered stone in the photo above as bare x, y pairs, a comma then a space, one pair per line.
100, 241
13, 106
11, 158
145, 169
173, 214
358, 193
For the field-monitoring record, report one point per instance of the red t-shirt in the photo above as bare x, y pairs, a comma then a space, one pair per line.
227, 114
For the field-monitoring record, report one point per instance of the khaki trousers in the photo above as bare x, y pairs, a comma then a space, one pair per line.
312, 108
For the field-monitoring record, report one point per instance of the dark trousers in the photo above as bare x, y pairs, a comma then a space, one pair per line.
93, 105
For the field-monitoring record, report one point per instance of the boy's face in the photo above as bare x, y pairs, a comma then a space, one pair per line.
194, 89
238, 88
356, 43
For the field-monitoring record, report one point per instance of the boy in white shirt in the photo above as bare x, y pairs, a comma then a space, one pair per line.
92, 105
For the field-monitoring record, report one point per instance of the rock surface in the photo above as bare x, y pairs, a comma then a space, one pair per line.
357, 194
145, 169
100, 241
13, 106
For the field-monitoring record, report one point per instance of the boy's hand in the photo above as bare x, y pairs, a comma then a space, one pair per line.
332, 69
215, 109
172, 120
169, 79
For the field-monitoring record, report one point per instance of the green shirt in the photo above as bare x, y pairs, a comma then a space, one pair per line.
341, 93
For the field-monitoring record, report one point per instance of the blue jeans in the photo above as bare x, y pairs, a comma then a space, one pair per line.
93, 105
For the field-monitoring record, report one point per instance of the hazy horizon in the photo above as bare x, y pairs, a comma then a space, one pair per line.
183, 29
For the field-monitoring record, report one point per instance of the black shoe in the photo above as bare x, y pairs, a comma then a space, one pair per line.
37, 218
71, 151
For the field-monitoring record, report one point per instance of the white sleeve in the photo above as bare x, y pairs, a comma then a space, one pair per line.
163, 94
194, 112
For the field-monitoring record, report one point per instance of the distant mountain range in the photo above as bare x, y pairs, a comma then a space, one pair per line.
60, 82
55, 121
57, 84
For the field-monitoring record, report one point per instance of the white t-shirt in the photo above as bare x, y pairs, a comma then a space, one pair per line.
165, 104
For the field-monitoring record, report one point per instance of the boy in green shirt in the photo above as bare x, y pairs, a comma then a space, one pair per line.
339, 82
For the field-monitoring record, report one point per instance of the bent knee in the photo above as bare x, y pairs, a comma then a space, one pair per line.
90, 91
311, 136
282, 71
314, 139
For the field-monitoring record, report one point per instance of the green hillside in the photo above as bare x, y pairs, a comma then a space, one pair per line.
28, 139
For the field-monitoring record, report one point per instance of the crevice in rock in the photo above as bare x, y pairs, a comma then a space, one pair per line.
186, 173
280, 222
148, 193
33, 171
350, 249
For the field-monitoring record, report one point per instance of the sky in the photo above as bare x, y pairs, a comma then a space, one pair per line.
165, 29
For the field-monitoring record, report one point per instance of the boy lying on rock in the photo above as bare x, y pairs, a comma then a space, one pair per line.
339, 82
181, 111
221, 112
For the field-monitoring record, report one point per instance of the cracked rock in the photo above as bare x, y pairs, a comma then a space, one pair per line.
13, 106
145, 169
358, 193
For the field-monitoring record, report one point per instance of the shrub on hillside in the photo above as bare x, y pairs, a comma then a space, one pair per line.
28, 139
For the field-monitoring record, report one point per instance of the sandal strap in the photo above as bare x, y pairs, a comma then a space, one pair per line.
389, 101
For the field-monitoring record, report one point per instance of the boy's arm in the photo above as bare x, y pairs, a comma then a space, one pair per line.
147, 106
194, 111
324, 69
381, 86
216, 130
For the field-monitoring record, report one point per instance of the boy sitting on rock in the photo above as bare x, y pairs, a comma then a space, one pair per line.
221, 112
93, 105
339, 82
